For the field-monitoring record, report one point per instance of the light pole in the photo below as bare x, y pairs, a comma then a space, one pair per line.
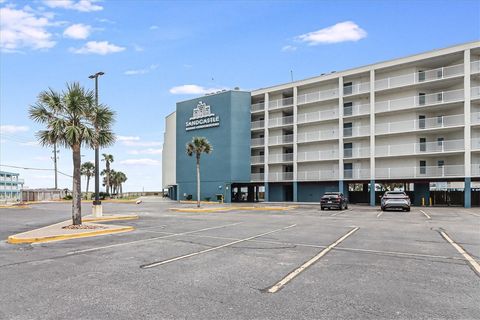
97, 204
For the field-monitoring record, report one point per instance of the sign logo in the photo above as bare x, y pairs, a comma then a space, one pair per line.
202, 118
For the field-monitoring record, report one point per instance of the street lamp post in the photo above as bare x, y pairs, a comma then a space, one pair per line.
97, 204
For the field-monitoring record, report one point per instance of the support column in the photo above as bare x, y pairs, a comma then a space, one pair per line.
467, 193
295, 147
340, 134
372, 137
372, 193
265, 150
266, 192
467, 103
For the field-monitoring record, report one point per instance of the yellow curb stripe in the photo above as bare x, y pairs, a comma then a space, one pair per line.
14, 240
15, 207
233, 208
119, 218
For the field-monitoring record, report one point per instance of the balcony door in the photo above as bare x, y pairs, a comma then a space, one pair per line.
347, 129
348, 108
421, 122
348, 88
423, 144
347, 150
423, 167
348, 170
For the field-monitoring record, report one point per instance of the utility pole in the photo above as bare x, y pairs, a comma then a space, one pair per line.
97, 204
55, 164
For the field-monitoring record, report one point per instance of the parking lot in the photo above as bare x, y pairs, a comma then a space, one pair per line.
304, 263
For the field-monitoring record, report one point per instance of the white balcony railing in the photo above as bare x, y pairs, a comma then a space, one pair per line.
475, 144
419, 148
258, 124
420, 124
317, 96
358, 131
356, 110
356, 88
286, 139
317, 155
257, 176
420, 101
279, 158
280, 176
317, 116
475, 169
317, 135
258, 107
474, 92
475, 66
356, 152
320, 175
257, 142
420, 172
419, 77
280, 103
356, 174
475, 118
257, 159
282, 121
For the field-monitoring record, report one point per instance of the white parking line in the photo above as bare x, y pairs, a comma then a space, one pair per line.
152, 239
378, 215
340, 212
425, 214
155, 264
473, 263
307, 264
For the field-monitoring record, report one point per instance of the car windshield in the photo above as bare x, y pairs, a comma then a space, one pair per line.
395, 194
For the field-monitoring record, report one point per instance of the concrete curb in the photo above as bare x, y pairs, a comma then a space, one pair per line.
226, 209
110, 218
14, 240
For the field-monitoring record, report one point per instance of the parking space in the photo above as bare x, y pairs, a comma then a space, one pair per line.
300, 263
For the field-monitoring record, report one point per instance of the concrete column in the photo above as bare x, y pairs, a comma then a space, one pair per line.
467, 130
372, 136
266, 192
265, 150
340, 133
295, 130
372, 193
467, 193
295, 191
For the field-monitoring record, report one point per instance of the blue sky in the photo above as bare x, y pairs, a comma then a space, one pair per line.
155, 53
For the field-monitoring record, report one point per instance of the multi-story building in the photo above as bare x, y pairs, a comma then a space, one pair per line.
410, 121
10, 186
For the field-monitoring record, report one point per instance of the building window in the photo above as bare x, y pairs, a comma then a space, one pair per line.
421, 98
348, 88
423, 144
423, 167
348, 108
347, 129
421, 75
348, 170
421, 122
347, 150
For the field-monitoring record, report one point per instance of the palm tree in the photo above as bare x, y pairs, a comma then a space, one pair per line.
108, 158
88, 170
121, 178
197, 146
73, 120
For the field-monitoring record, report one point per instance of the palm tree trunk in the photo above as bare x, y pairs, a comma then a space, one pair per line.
76, 189
198, 181
86, 191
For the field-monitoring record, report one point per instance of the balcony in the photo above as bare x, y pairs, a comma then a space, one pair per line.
317, 136
356, 110
420, 172
419, 77
317, 116
317, 96
475, 66
475, 144
257, 142
280, 103
356, 174
280, 176
276, 140
356, 153
282, 121
259, 124
420, 101
320, 175
420, 124
257, 159
475, 93
317, 155
257, 176
356, 89
419, 148
257, 107
279, 158
475, 118
475, 169
358, 131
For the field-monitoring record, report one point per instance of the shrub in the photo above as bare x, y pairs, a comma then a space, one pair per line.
189, 197
207, 198
67, 197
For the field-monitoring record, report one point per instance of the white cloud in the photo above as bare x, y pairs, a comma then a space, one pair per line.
81, 5
142, 162
193, 89
9, 129
24, 29
141, 71
153, 27
134, 141
146, 151
340, 32
77, 31
138, 48
127, 138
289, 48
30, 144
97, 47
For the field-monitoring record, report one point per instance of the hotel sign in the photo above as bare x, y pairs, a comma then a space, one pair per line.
202, 118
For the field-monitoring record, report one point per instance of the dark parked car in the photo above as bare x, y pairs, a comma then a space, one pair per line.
395, 200
333, 200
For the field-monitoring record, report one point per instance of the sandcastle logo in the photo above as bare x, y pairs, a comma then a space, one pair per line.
202, 118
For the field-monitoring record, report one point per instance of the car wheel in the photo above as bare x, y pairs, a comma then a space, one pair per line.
322, 208
383, 208
346, 206
408, 209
